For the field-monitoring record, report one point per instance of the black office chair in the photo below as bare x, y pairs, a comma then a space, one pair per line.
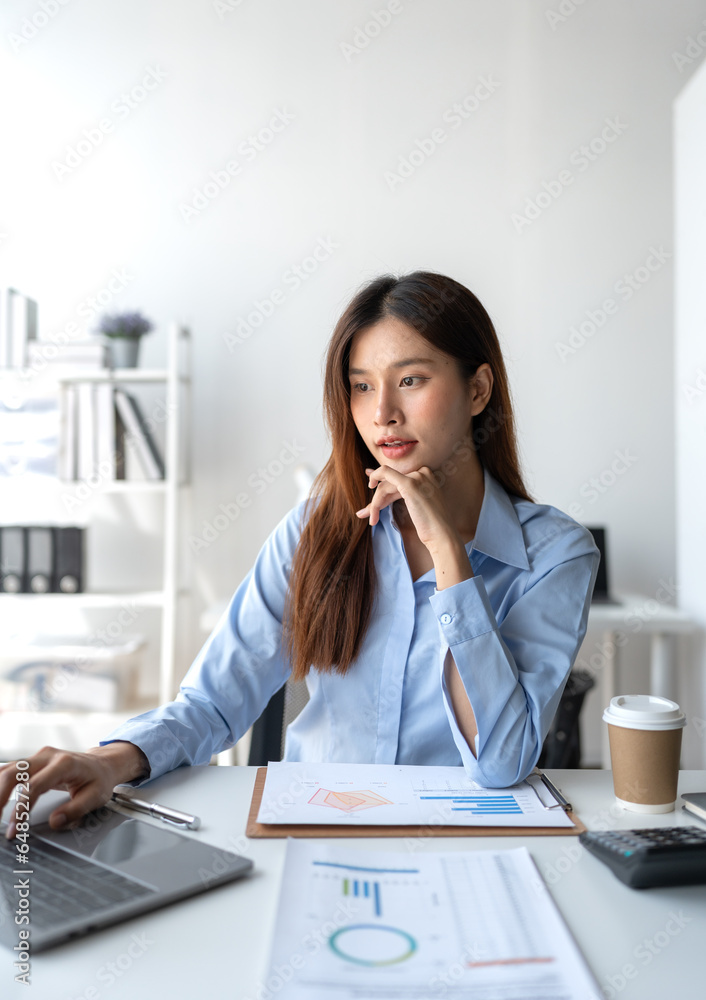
562, 747
268, 733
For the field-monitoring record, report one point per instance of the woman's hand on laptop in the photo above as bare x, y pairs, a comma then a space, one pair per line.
88, 777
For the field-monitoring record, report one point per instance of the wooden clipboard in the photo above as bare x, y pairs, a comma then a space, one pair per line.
281, 830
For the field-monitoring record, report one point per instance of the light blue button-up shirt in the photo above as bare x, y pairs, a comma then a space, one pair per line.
513, 630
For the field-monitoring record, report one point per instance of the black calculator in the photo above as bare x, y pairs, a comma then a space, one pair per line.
672, 855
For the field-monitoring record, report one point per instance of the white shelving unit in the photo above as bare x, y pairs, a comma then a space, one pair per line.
177, 384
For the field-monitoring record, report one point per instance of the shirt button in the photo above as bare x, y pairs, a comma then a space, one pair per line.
445, 619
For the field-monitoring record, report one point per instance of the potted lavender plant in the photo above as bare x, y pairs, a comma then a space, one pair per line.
124, 331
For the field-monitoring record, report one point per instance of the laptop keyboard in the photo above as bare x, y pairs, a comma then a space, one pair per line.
64, 886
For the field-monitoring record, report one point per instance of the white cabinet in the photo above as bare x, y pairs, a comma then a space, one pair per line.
119, 501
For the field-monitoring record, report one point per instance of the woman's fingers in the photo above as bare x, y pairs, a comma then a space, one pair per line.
86, 777
16, 776
385, 494
89, 797
8, 782
414, 488
423, 498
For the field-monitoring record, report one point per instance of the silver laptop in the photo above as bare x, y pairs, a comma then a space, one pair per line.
110, 868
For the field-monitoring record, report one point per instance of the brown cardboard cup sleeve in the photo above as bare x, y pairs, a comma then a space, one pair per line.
645, 745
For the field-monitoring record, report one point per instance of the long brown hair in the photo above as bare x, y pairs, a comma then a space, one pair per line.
332, 582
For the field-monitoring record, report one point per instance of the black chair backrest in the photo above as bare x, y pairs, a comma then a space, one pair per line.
266, 740
600, 588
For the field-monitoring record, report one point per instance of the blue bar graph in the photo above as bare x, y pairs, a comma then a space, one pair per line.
481, 805
356, 888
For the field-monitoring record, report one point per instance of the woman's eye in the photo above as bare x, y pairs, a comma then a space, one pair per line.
361, 386
409, 379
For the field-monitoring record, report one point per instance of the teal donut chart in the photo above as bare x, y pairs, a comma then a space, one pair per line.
409, 941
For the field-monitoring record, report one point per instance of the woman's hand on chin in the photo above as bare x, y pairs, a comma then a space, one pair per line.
424, 501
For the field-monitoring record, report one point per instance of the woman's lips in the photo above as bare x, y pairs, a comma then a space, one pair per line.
399, 450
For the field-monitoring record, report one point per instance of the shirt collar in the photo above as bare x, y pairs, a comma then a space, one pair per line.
498, 533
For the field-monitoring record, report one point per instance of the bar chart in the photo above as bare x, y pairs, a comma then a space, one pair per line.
480, 805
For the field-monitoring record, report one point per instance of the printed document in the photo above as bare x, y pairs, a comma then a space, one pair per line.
392, 925
400, 795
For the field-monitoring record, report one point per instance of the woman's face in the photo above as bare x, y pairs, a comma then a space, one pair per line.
405, 391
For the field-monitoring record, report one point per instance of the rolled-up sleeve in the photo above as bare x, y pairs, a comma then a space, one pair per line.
514, 669
240, 667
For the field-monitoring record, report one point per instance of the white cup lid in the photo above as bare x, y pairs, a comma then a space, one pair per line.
644, 711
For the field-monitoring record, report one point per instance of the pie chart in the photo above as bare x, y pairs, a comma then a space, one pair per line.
373, 945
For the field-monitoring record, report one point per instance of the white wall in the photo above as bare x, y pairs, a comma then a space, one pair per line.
554, 85
690, 393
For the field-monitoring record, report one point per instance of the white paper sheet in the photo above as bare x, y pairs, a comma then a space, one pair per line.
399, 795
472, 925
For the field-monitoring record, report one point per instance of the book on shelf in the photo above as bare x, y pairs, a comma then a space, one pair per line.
121, 466
86, 465
60, 358
104, 435
23, 326
4, 317
137, 436
105, 440
18, 327
68, 433
4, 327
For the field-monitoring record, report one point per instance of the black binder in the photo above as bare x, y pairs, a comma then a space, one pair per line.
40, 560
12, 559
68, 560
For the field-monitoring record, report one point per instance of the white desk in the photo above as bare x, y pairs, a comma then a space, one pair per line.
636, 614
217, 944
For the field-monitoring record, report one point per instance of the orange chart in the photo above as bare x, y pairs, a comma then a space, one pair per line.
347, 801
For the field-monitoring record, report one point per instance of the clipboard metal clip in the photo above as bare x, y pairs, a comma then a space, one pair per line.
560, 803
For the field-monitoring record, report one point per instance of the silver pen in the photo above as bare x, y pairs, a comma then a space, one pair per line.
167, 815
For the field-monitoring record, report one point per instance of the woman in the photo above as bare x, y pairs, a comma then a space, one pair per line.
433, 609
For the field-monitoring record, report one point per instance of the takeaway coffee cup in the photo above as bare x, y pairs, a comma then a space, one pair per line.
645, 745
